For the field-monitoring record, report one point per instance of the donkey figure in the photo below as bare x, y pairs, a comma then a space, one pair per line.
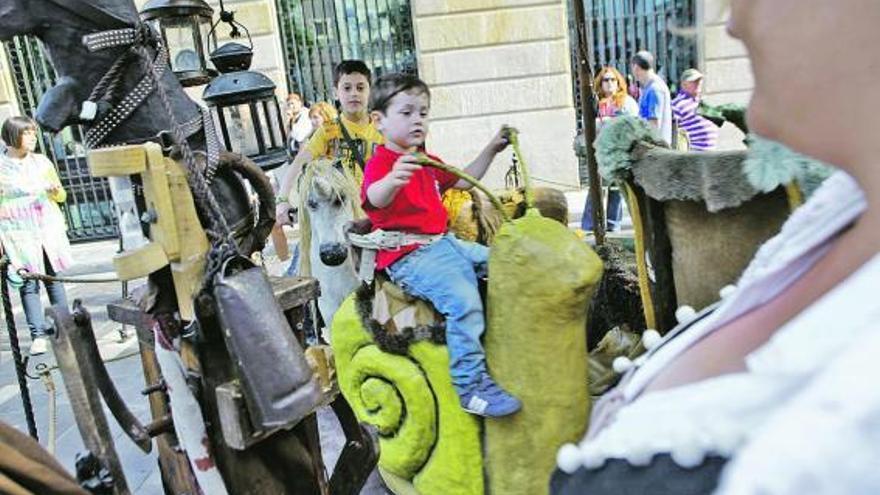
114, 80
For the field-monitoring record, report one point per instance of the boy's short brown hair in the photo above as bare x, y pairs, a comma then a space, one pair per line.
389, 85
14, 127
351, 67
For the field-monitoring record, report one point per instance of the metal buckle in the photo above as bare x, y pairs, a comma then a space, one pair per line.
394, 237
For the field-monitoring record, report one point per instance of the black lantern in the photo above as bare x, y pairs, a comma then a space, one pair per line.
185, 26
245, 109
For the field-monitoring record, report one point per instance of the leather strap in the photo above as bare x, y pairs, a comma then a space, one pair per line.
358, 158
390, 240
110, 38
380, 239
127, 106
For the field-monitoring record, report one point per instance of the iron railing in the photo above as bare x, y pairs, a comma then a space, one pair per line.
620, 28
317, 34
89, 207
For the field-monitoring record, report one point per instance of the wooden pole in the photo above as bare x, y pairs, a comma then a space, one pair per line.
279, 241
588, 112
80, 382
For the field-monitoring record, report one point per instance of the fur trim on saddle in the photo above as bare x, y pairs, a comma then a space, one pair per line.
615, 144
406, 320
770, 165
629, 147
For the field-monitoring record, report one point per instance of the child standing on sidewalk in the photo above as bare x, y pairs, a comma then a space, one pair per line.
400, 195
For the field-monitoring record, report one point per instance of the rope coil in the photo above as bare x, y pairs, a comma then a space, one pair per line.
20, 364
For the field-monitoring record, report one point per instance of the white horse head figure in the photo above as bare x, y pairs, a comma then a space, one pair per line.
328, 201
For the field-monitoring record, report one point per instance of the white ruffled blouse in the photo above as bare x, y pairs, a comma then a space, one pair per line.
807, 404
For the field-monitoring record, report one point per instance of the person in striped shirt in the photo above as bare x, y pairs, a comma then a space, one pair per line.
702, 134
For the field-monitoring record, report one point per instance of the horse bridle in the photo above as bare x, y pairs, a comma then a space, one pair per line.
117, 31
136, 36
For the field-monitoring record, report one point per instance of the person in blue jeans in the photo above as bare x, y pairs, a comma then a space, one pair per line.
613, 212
33, 307
32, 229
614, 100
435, 272
400, 195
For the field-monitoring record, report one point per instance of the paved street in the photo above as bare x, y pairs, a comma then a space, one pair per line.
94, 260
119, 347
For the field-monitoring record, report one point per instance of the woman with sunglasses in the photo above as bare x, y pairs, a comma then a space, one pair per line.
614, 100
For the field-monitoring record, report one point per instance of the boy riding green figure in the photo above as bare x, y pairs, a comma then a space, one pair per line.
402, 196
351, 138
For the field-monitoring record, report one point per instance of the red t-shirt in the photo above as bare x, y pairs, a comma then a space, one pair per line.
417, 207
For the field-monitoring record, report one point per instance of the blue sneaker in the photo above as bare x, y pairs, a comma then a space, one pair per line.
487, 399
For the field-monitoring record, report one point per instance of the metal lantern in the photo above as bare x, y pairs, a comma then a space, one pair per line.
185, 26
245, 108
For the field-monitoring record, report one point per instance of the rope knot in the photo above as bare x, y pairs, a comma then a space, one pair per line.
144, 35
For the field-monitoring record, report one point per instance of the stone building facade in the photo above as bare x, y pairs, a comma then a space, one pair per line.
725, 64
494, 62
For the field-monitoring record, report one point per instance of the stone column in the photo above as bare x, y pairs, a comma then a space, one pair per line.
726, 65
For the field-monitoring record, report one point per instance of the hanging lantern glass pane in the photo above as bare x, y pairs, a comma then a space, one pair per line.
240, 125
183, 49
275, 127
265, 130
208, 40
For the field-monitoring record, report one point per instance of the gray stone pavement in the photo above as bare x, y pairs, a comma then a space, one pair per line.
95, 260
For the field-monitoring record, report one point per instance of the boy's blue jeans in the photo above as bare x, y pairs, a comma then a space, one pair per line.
445, 273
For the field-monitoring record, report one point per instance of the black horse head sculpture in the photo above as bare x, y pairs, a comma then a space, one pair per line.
63, 26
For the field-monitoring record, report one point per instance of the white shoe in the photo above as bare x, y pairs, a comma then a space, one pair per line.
39, 346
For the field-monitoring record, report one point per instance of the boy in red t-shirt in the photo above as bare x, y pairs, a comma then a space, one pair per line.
400, 195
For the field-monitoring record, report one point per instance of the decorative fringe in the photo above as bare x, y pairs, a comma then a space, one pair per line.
615, 143
399, 342
488, 219
771, 164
